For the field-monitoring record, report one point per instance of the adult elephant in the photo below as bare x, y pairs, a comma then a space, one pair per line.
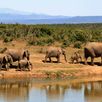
18, 54
5, 61
55, 52
93, 50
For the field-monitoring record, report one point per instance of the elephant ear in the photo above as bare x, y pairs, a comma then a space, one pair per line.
26, 54
5, 59
10, 60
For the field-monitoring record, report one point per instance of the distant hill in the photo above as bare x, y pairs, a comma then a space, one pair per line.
13, 16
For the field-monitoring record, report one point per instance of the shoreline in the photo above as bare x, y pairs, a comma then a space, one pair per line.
91, 73
53, 70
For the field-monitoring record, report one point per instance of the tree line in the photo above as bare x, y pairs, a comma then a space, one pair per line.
65, 34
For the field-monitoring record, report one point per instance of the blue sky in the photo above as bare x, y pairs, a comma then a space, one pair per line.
56, 7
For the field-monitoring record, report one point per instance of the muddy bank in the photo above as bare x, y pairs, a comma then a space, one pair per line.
90, 72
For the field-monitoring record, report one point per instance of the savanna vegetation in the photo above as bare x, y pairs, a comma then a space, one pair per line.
74, 35
64, 34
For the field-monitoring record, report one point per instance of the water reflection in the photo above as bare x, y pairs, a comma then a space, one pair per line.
93, 92
31, 91
14, 92
63, 92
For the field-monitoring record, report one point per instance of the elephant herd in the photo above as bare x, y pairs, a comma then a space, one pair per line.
22, 56
92, 49
8, 56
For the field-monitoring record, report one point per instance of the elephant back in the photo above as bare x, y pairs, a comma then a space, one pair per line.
94, 45
53, 51
93, 49
18, 54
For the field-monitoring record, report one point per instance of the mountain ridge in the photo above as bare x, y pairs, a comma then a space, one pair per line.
14, 16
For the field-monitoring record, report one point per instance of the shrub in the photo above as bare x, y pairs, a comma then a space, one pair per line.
7, 39
66, 43
81, 36
41, 41
77, 44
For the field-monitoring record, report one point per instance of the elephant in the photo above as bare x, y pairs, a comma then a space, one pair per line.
18, 54
25, 64
5, 60
76, 57
93, 50
55, 52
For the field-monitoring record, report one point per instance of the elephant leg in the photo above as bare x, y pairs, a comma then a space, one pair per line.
7, 66
80, 59
92, 61
0, 66
72, 61
19, 66
58, 59
85, 60
22, 68
45, 58
77, 60
101, 59
30, 66
27, 66
50, 59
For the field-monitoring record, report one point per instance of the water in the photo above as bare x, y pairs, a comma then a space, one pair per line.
50, 91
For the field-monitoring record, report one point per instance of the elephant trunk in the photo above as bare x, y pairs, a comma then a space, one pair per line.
28, 58
65, 57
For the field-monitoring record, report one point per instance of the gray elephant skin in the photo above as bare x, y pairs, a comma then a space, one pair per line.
25, 64
55, 52
76, 57
93, 50
18, 54
5, 60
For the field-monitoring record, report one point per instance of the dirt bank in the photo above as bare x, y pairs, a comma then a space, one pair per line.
53, 73
50, 70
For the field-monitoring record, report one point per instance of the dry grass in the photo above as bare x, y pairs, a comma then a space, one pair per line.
49, 70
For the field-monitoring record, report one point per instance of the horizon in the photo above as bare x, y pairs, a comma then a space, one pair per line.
30, 13
55, 8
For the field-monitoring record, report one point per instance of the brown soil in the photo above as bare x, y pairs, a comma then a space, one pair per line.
53, 70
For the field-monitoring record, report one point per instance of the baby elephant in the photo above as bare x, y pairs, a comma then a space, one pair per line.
25, 64
76, 57
5, 61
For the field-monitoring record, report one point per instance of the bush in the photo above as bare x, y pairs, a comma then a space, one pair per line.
42, 41
65, 34
77, 44
81, 36
7, 39
66, 43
